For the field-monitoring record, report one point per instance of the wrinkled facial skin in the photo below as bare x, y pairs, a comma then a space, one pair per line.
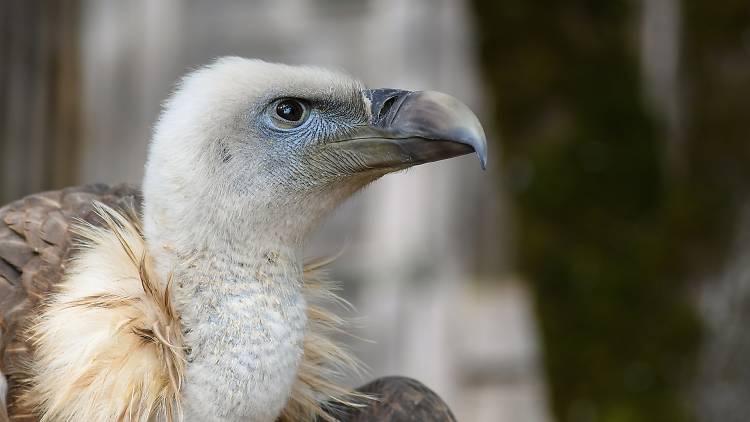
260, 152
296, 155
316, 140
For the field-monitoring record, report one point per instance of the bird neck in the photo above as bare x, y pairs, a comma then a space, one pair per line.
244, 316
236, 260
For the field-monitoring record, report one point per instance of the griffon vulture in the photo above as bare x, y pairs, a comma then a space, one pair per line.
191, 302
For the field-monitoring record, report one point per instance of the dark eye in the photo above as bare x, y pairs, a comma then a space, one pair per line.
290, 110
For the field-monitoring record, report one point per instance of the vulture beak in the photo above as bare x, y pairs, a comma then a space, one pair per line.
410, 128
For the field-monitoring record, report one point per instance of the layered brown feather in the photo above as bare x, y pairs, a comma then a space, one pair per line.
106, 343
35, 240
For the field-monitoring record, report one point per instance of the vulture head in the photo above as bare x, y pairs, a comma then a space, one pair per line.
247, 149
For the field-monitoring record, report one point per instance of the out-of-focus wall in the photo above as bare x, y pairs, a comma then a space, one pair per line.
39, 95
424, 258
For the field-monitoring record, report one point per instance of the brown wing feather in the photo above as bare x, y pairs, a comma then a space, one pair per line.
398, 399
35, 241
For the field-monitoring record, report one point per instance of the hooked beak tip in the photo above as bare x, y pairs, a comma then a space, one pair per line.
429, 115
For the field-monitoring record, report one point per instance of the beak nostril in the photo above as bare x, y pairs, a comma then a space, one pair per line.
384, 104
387, 104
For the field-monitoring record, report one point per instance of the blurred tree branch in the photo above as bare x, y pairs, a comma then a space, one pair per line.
608, 237
717, 78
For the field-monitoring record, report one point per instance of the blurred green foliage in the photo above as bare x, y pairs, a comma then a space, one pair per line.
610, 234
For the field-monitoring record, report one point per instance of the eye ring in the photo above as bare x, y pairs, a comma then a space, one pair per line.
290, 112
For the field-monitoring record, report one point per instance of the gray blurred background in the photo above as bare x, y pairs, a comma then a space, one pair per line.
598, 271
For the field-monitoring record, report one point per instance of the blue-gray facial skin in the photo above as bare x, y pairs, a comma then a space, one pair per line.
322, 121
294, 146
318, 139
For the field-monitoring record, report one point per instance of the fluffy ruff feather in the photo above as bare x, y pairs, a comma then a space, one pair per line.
108, 345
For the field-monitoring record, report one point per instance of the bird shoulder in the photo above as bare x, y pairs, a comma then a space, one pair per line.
100, 339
